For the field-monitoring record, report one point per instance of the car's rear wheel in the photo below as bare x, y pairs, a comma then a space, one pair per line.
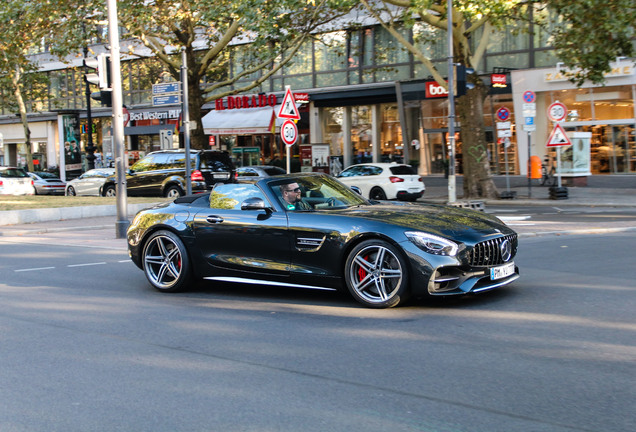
110, 191
70, 191
166, 262
173, 192
377, 194
376, 274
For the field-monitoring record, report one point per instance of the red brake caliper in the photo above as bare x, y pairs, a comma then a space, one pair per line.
361, 271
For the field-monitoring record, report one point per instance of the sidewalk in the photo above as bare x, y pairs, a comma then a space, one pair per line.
99, 230
602, 191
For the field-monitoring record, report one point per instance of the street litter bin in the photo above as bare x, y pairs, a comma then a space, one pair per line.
535, 167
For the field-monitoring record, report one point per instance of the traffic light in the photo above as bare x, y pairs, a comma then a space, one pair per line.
103, 96
463, 84
100, 77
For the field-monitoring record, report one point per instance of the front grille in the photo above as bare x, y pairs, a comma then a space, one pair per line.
488, 253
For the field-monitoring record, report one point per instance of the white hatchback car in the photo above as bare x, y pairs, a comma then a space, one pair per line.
381, 181
15, 181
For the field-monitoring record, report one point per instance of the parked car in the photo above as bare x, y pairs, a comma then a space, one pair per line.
382, 252
254, 171
381, 181
47, 183
89, 183
15, 181
163, 173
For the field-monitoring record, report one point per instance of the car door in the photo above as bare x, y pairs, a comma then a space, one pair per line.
84, 185
241, 243
146, 175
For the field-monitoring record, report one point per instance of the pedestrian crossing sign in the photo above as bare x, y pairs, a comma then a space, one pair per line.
558, 137
288, 109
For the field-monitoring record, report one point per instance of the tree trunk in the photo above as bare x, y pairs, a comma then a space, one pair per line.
23, 116
477, 180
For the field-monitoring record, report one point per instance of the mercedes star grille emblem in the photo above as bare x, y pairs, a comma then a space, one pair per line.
506, 250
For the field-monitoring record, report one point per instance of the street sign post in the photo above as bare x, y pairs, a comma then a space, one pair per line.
289, 131
503, 114
557, 113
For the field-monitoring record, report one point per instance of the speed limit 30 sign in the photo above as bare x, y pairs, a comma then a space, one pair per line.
289, 132
557, 111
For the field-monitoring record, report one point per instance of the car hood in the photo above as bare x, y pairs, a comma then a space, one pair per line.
442, 220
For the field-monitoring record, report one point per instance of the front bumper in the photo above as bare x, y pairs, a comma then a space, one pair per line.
462, 280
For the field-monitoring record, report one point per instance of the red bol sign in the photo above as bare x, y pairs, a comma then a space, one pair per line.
289, 132
434, 90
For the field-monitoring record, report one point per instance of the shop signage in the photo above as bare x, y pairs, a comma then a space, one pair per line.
618, 70
154, 115
498, 80
434, 90
241, 102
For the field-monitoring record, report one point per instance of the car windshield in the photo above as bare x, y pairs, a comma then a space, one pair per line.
45, 175
12, 172
319, 192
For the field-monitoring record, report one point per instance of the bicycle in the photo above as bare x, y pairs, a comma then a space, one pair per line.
548, 176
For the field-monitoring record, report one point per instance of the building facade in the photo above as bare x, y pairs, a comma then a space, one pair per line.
361, 94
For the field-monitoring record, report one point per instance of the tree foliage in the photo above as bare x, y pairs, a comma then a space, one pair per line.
592, 33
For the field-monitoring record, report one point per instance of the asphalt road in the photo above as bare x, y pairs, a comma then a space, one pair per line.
87, 345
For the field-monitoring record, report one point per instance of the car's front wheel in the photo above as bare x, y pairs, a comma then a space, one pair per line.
376, 274
166, 262
110, 191
70, 191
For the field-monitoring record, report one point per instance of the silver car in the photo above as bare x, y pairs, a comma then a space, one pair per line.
258, 171
47, 183
89, 183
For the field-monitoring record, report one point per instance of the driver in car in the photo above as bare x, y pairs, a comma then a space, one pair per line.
292, 199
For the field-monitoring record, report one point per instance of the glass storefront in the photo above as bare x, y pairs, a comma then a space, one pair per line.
599, 111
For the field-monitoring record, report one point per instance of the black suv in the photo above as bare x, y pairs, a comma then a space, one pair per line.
163, 173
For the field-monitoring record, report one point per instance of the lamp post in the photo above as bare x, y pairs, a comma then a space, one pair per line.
90, 148
118, 121
452, 192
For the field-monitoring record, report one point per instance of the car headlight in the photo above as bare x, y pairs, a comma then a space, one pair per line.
432, 244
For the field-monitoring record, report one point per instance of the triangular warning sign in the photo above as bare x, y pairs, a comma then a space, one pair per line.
288, 109
558, 137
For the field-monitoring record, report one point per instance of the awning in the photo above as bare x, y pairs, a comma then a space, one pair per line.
245, 121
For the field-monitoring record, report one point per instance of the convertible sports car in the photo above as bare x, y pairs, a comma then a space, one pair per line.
383, 253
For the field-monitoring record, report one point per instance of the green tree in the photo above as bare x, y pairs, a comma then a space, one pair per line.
263, 34
23, 33
473, 21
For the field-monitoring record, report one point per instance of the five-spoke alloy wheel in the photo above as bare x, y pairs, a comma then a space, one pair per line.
376, 274
166, 262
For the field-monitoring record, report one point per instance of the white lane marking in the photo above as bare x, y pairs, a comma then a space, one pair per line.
84, 265
34, 269
124, 261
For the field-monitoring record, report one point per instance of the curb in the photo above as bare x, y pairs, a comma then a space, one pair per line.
17, 217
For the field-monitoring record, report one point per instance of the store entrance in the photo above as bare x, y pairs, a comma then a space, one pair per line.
613, 149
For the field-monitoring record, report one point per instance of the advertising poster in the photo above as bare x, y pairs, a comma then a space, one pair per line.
575, 159
71, 138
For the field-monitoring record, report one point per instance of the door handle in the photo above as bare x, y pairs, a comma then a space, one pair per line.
214, 219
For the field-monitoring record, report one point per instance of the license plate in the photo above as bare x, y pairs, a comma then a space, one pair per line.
502, 271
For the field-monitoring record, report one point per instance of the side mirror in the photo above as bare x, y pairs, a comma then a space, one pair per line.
129, 171
254, 204
356, 189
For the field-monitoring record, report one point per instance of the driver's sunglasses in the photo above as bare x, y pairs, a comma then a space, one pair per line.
293, 190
